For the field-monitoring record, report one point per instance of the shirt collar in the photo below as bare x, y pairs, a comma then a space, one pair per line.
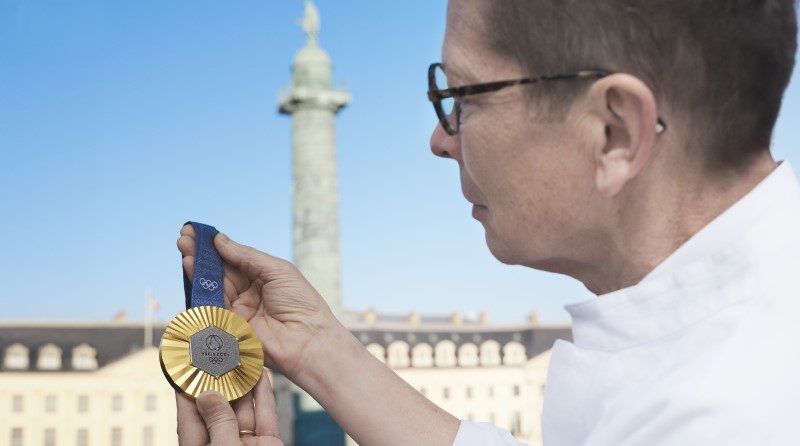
704, 275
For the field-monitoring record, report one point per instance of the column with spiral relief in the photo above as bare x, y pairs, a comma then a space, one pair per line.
313, 103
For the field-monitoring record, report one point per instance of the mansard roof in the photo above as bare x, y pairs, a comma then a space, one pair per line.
114, 340
536, 339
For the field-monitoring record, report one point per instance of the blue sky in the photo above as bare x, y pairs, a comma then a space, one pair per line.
121, 120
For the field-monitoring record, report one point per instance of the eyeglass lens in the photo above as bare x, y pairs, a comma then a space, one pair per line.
448, 104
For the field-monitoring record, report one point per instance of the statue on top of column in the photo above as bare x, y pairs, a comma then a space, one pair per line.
311, 21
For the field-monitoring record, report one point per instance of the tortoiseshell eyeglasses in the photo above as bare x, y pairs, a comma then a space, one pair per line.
448, 107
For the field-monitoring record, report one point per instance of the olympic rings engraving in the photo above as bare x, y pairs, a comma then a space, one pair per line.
210, 285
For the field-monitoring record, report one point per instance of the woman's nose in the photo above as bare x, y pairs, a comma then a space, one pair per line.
442, 144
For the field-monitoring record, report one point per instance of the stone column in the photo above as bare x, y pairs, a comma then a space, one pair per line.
313, 104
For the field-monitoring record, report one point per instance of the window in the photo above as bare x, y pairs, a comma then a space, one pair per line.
469, 392
468, 355
516, 424
17, 403
377, 351
50, 403
423, 391
148, 436
422, 355
16, 436
491, 392
50, 437
150, 403
16, 357
514, 354
116, 403
470, 417
516, 390
49, 357
446, 393
83, 437
490, 353
492, 418
83, 403
398, 354
84, 357
445, 354
116, 436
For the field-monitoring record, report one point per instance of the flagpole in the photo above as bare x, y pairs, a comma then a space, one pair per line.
148, 319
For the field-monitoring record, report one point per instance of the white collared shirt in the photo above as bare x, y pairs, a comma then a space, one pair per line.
705, 350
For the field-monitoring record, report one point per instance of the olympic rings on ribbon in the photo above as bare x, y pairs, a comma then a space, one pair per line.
210, 285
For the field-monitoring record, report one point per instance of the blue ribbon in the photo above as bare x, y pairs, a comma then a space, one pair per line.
207, 286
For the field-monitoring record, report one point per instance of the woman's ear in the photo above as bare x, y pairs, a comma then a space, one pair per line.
626, 109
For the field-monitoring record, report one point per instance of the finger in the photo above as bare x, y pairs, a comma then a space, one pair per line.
186, 245
266, 409
245, 415
188, 266
235, 279
253, 263
219, 418
236, 282
187, 230
191, 428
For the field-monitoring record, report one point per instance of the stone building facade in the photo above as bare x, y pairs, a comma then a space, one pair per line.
94, 383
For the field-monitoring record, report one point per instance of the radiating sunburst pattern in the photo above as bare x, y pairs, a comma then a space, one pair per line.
185, 377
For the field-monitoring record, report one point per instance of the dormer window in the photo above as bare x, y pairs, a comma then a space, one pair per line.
490, 353
397, 354
84, 357
446, 354
377, 351
422, 355
16, 357
514, 354
49, 357
468, 355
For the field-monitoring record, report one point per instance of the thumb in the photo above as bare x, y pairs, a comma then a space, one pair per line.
254, 264
217, 413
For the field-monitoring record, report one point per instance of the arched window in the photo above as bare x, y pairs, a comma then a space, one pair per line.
84, 357
16, 357
49, 357
398, 354
422, 355
514, 354
446, 354
377, 351
490, 353
468, 355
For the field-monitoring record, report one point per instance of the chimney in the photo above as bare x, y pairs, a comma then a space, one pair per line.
414, 318
369, 316
533, 318
456, 318
483, 318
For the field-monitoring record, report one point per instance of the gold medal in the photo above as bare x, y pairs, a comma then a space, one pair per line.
211, 348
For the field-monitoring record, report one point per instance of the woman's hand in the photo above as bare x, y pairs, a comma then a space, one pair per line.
211, 420
290, 318
303, 340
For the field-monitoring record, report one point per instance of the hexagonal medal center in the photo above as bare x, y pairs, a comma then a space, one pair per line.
214, 351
